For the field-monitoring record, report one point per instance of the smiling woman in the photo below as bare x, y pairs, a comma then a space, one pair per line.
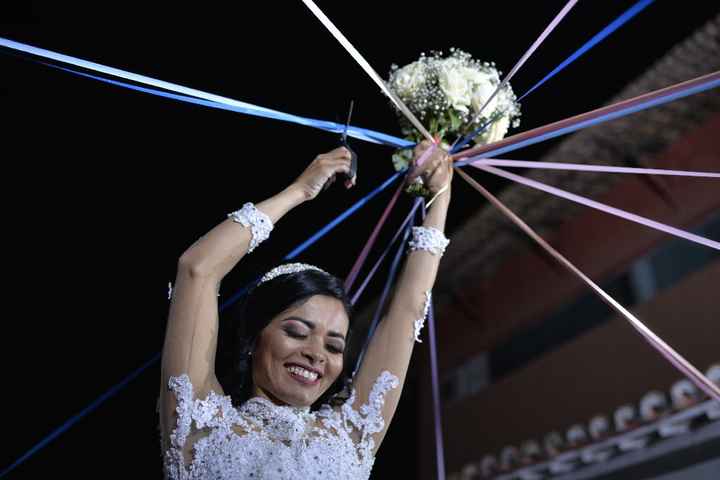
292, 328
277, 406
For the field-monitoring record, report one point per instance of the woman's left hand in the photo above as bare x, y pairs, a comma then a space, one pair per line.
436, 171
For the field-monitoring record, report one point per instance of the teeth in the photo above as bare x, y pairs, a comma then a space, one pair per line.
302, 372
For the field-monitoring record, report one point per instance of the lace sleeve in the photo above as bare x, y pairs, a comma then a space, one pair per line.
361, 424
195, 419
215, 411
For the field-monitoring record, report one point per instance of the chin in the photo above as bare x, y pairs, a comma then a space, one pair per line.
295, 400
295, 397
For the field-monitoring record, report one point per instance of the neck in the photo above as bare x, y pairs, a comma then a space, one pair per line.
259, 392
262, 393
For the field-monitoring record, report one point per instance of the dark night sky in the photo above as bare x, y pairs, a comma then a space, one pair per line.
105, 188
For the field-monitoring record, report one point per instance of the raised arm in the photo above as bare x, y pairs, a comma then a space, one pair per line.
392, 344
191, 333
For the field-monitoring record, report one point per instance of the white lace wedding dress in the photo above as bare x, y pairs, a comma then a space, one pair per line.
261, 440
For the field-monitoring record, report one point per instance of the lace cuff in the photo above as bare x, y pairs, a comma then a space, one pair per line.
259, 223
429, 239
420, 322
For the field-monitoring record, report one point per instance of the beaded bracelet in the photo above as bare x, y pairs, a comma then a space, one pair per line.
429, 239
259, 223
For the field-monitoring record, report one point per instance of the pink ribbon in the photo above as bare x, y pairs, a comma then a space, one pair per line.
360, 261
569, 5
350, 279
675, 358
601, 206
589, 118
496, 162
370, 275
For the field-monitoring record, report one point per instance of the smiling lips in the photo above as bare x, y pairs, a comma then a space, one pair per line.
302, 375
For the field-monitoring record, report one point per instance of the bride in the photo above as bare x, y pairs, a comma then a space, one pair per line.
281, 414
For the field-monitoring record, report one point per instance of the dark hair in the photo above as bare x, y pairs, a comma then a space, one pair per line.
238, 334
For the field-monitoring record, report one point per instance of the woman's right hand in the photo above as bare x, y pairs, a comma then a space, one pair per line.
322, 170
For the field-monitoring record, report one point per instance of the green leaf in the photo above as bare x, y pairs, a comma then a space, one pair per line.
455, 121
433, 125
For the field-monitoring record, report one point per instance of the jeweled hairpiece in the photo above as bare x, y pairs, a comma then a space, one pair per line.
287, 269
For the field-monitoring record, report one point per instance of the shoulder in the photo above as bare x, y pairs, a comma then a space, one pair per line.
207, 407
366, 416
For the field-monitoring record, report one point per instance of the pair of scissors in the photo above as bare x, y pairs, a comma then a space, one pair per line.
348, 178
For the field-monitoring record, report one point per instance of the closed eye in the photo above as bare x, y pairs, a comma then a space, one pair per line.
294, 334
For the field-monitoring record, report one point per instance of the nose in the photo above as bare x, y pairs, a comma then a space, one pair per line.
313, 357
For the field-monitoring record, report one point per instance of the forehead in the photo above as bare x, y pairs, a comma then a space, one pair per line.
326, 312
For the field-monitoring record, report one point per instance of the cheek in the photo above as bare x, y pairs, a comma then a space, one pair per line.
336, 367
276, 347
270, 350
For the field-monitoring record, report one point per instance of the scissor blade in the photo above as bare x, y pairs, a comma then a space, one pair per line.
347, 124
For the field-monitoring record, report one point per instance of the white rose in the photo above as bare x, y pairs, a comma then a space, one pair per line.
473, 75
483, 89
455, 86
496, 131
409, 78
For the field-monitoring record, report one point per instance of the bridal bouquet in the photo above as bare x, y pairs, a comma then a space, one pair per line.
446, 94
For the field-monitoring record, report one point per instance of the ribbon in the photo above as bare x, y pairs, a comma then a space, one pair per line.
373, 236
371, 240
85, 411
554, 23
495, 162
197, 97
370, 275
594, 117
602, 207
319, 234
435, 384
383, 297
671, 355
366, 67
597, 38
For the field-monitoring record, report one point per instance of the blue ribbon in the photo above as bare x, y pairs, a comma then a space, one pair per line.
707, 85
224, 103
356, 132
321, 233
385, 293
105, 396
72, 421
597, 38
198, 97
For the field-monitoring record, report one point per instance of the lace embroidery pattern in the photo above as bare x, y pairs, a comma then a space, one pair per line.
420, 322
279, 442
429, 239
260, 224
283, 423
369, 420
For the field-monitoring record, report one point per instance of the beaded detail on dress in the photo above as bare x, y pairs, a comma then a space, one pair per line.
274, 442
420, 322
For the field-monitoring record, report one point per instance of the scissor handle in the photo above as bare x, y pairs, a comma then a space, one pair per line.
353, 166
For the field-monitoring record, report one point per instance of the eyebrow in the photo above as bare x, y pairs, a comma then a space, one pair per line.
311, 326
